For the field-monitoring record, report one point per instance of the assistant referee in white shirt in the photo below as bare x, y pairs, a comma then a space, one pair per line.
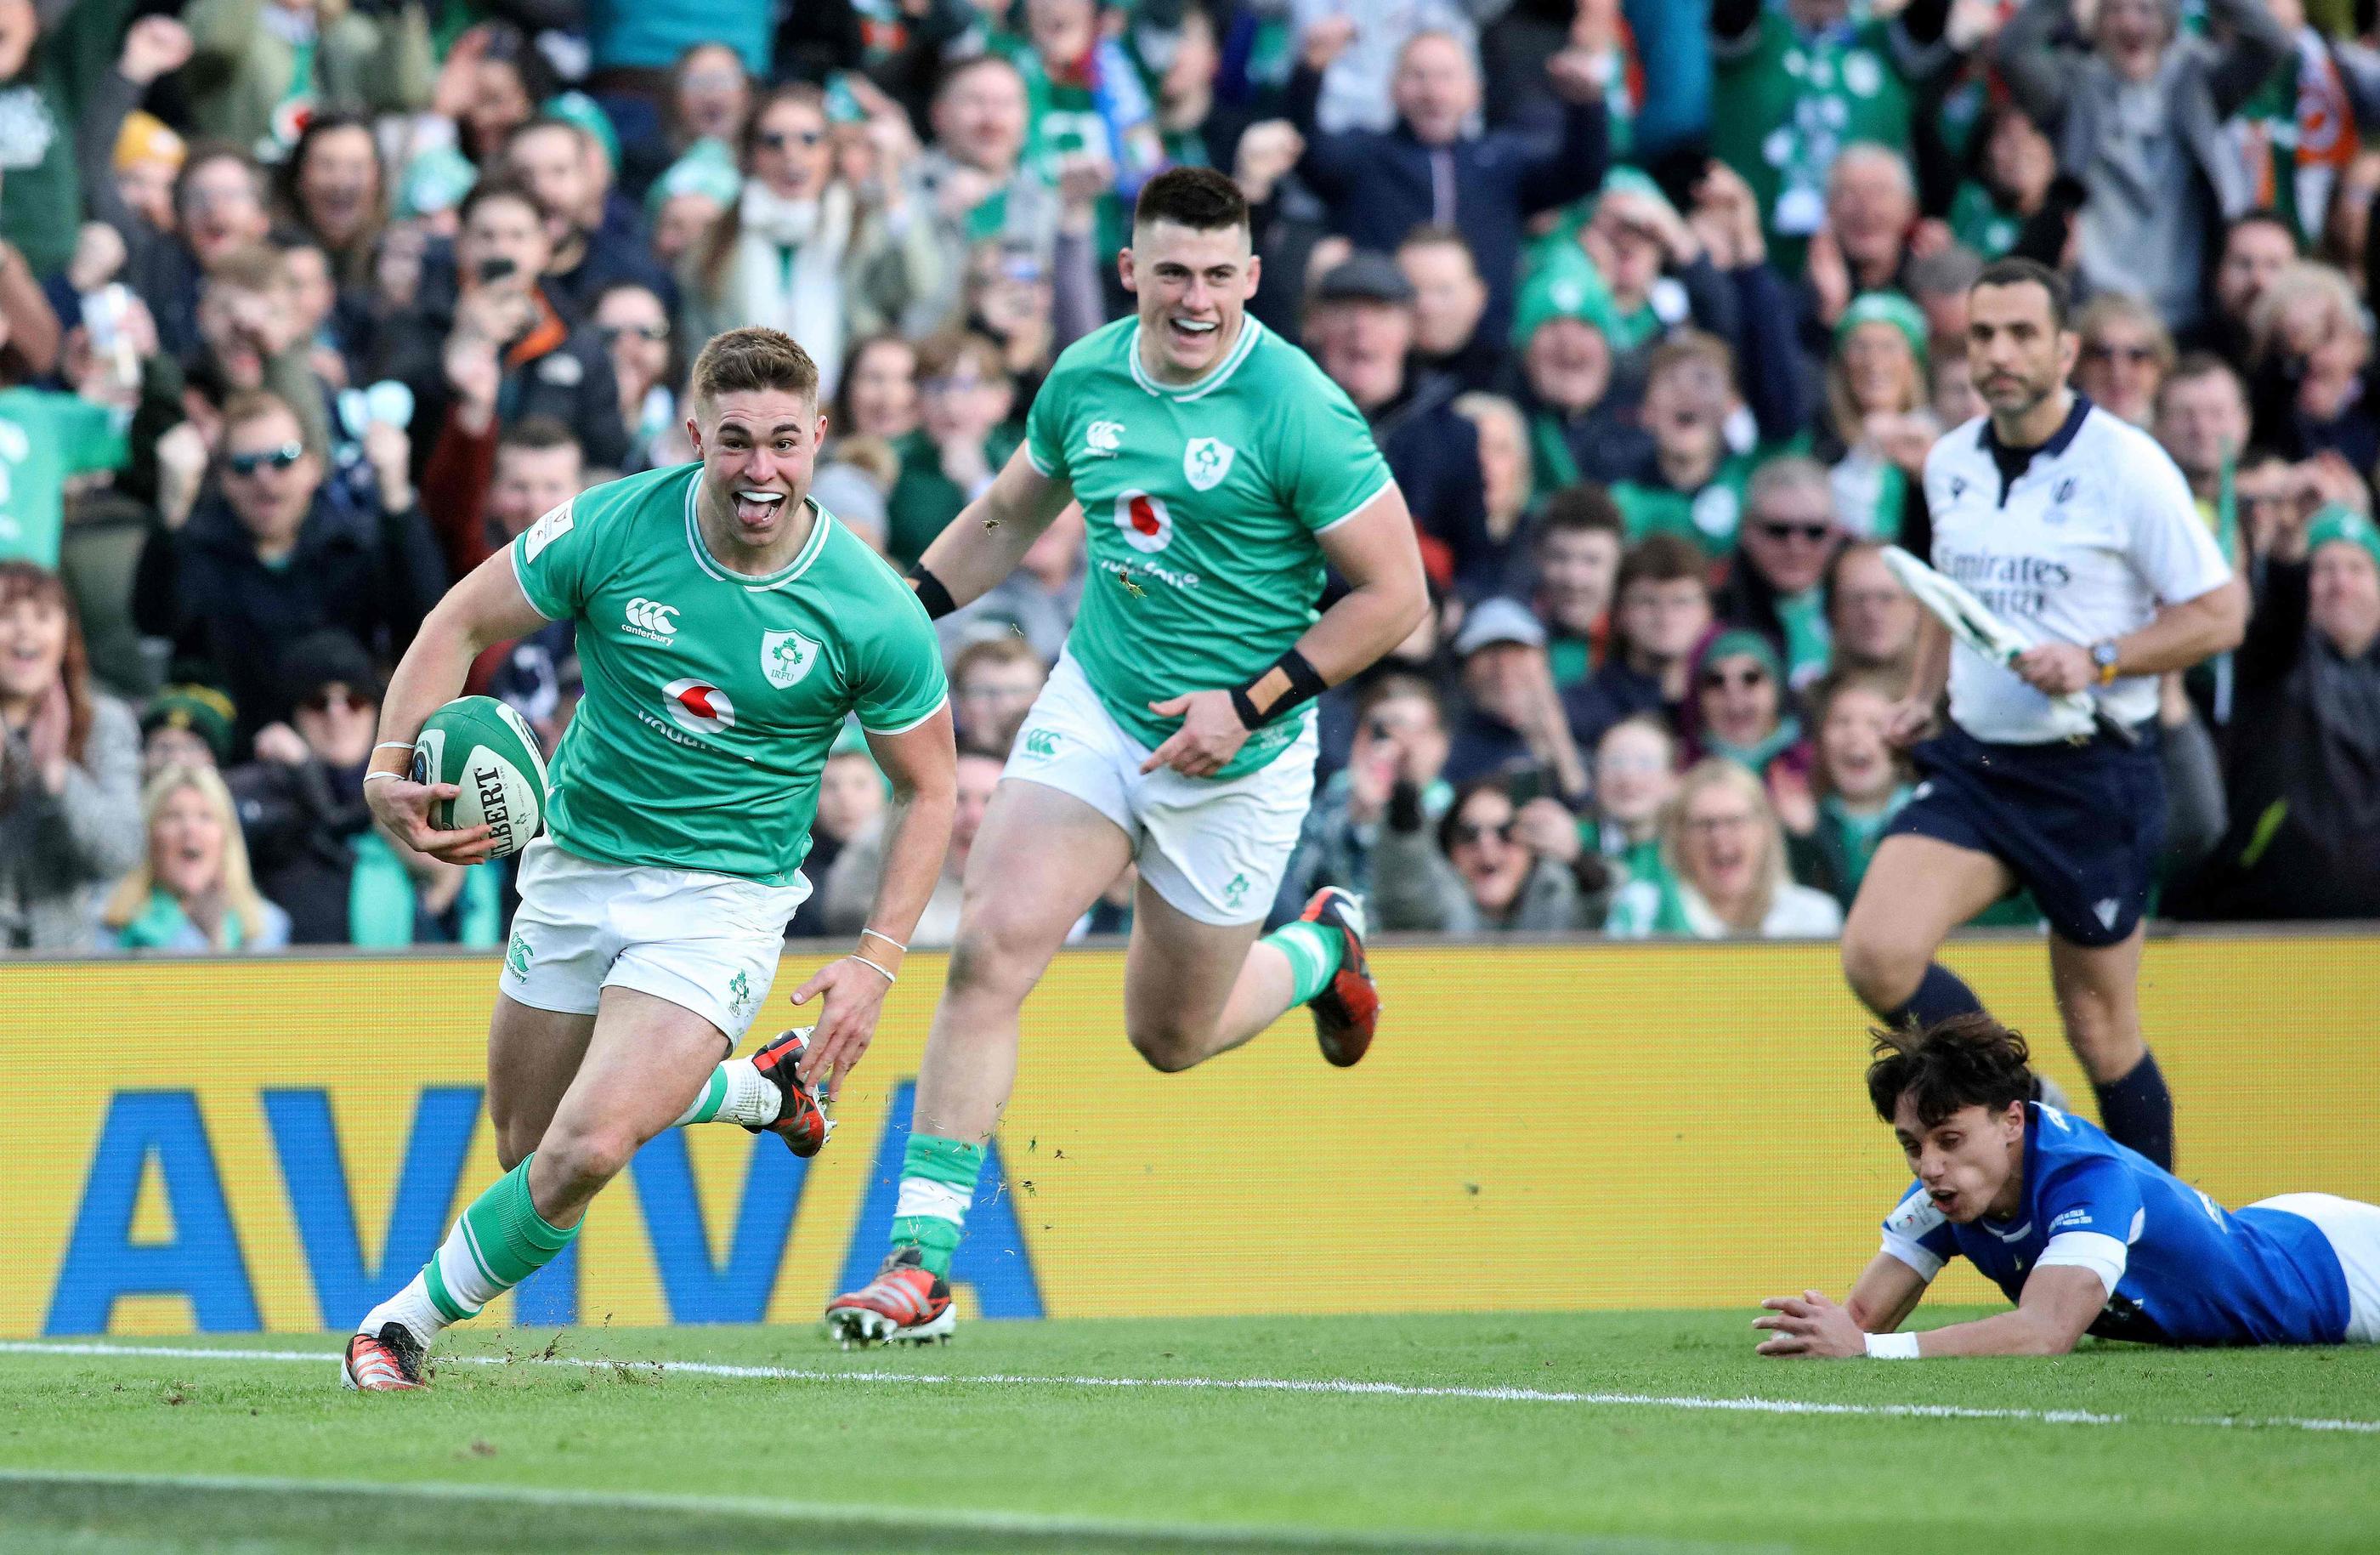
2075, 526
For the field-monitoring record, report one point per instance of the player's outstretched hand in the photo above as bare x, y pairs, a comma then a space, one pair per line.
1811, 1326
1211, 733
403, 806
853, 997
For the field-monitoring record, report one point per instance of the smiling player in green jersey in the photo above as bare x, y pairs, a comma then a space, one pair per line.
728, 626
1218, 470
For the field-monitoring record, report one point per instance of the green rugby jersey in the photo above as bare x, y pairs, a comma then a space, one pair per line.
1203, 501
712, 698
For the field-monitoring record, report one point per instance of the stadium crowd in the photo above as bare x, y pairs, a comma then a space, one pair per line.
307, 306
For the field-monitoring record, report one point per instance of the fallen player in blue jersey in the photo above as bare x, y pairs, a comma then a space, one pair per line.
2083, 1235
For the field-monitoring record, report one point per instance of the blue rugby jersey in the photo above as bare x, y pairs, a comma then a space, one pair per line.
2186, 1271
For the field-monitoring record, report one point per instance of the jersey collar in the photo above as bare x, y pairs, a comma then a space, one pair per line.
787, 574
1249, 330
2059, 441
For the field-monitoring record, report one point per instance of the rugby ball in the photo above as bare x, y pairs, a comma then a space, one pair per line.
486, 749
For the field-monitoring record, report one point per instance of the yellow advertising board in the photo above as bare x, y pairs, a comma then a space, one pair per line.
275, 1144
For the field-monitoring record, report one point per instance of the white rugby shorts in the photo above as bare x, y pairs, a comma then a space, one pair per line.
1215, 850
2352, 1228
705, 943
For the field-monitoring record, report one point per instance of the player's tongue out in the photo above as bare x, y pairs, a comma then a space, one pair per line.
758, 507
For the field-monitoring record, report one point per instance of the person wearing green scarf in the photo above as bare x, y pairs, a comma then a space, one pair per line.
1858, 780
1563, 326
1739, 703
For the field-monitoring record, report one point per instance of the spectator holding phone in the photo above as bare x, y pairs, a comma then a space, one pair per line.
1492, 865
1395, 768
1514, 719
499, 349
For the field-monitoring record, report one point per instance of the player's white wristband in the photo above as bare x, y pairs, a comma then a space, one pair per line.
854, 955
394, 745
1892, 1346
880, 934
368, 776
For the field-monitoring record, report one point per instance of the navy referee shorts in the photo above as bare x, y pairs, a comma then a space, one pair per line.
2080, 826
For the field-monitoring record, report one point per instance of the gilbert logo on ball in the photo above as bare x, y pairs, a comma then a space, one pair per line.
487, 751
697, 706
1145, 524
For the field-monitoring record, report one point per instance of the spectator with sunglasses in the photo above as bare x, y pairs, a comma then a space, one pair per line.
1774, 584
1740, 712
2126, 354
1489, 866
633, 323
801, 251
266, 556
312, 840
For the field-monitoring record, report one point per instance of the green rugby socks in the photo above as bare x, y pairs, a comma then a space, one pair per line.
1315, 952
500, 1241
937, 1186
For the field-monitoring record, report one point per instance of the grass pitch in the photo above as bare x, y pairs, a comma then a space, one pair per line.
1588, 1432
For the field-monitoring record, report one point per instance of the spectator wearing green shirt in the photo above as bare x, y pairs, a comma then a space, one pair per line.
2010, 168
47, 439
1693, 485
264, 68
963, 438
1795, 84
1878, 426
1636, 777
1858, 782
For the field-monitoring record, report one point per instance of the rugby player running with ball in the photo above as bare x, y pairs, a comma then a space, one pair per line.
1218, 471
728, 626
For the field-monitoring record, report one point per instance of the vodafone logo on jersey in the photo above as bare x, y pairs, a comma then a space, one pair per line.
1145, 524
699, 706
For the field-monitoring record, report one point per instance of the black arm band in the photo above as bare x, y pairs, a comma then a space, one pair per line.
932, 594
1305, 683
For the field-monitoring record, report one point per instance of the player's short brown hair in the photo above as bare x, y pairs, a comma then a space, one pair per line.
1965, 1061
1198, 198
754, 360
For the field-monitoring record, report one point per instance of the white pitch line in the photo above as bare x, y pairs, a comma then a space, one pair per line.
1341, 1386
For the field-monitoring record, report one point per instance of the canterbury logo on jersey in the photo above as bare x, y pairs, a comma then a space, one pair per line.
1103, 438
652, 619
